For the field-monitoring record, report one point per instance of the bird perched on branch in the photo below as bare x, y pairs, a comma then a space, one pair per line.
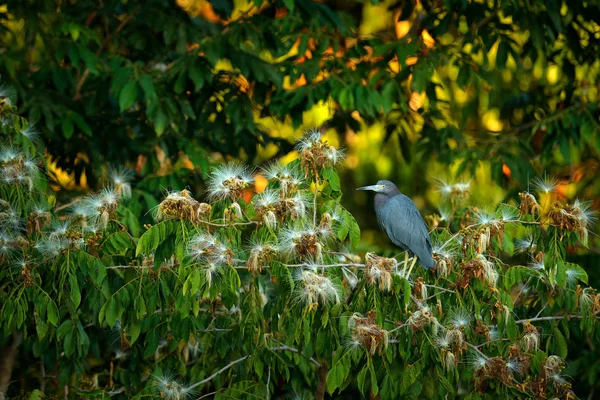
400, 219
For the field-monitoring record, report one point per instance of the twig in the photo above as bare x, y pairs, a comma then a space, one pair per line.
239, 360
439, 288
230, 224
116, 391
473, 347
549, 318
283, 347
268, 383
60, 208
225, 368
307, 265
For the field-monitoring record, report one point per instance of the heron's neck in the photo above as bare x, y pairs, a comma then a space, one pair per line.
380, 200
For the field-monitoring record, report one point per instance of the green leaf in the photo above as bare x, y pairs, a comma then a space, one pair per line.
560, 343
335, 377
354, 233
344, 227
197, 77
374, 387
67, 127
133, 329
36, 395
289, 4
332, 176
118, 243
112, 311
502, 54
283, 275
128, 95
160, 122
151, 343
362, 378
422, 73
75, 293
153, 237
148, 88
52, 312
346, 99
139, 304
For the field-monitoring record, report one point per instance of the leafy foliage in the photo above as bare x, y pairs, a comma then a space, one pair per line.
198, 76
251, 298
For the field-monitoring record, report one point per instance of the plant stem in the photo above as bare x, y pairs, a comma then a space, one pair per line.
322, 383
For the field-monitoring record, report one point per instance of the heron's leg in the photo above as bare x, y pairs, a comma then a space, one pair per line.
405, 262
412, 265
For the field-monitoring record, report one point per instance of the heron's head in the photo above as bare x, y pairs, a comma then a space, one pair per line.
383, 187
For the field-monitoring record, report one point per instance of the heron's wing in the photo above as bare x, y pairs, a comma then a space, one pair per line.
404, 225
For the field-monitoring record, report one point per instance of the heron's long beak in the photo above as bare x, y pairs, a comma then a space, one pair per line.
374, 188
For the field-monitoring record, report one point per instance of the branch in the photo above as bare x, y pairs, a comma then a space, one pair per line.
307, 265
239, 360
230, 224
474, 348
103, 45
550, 318
60, 208
283, 347
225, 368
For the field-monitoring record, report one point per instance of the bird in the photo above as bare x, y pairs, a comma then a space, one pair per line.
400, 219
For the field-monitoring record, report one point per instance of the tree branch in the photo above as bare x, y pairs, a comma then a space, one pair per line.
239, 360
103, 45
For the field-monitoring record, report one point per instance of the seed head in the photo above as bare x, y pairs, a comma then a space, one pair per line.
458, 190
378, 270
181, 205
317, 154
530, 340
459, 318
204, 248
268, 199
59, 229
526, 244
421, 318
229, 181
368, 333
316, 289
443, 341
574, 275
478, 362
508, 213
171, 389
289, 178
30, 133
120, 179
304, 243
544, 184
260, 254
514, 367
8, 95
350, 277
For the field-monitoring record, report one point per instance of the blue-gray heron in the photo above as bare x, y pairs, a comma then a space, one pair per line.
400, 219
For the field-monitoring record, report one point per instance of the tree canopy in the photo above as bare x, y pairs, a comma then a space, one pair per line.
509, 81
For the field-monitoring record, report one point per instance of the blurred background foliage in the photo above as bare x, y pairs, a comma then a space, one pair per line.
493, 93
